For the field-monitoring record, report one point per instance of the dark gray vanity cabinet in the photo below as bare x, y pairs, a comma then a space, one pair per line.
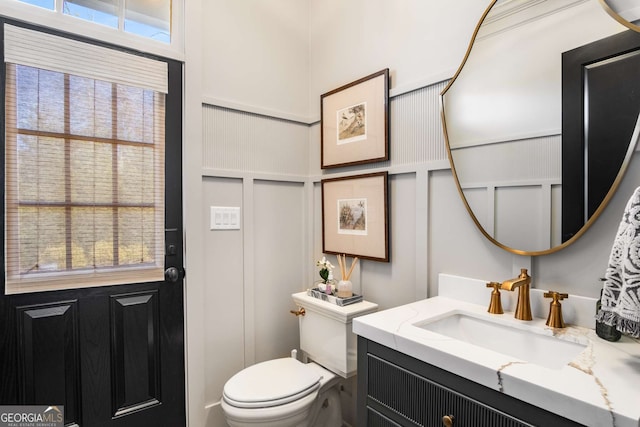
397, 390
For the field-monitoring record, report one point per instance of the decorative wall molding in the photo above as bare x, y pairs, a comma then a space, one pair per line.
511, 14
239, 144
429, 81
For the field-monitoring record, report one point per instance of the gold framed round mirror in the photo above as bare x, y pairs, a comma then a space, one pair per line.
524, 153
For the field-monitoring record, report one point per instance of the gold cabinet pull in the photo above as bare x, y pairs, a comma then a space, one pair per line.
447, 420
299, 312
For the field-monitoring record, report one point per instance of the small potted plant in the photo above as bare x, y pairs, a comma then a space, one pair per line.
325, 272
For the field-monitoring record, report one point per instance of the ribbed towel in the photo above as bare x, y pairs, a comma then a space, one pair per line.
621, 292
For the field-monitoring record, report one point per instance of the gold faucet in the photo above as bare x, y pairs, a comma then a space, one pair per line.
554, 319
523, 283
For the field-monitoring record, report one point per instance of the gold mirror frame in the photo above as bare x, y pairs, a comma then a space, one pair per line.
616, 15
606, 199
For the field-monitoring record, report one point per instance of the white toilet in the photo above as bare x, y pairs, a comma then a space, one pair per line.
287, 392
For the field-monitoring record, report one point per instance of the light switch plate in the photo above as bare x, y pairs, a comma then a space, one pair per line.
225, 218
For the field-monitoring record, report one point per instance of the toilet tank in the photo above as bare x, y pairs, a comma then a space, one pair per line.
325, 332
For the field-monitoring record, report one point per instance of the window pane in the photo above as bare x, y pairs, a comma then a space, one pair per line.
149, 18
103, 173
41, 166
27, 167
81, 106
82, 236
40, 99
91, 172
92, 235
136, 175
103, 12
51, 240
103, 245
47, 4
90, 107
149, 31
137, 242
27, 97
130, 113
104, 109
50, 101
28, 239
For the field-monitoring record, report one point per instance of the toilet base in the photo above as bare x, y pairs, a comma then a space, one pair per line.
322, 408
329, 413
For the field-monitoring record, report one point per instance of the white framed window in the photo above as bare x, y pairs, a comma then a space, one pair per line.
153, 26
84, 164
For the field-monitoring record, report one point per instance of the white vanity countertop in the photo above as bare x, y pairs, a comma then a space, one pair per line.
600, 387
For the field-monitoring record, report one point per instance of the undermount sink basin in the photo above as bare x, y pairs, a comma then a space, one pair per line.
518, 342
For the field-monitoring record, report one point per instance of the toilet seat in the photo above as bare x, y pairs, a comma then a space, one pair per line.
271, 383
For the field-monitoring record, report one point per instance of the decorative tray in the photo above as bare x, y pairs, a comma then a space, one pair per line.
317, 293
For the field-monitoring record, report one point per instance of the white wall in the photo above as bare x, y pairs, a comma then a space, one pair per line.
421, 41
256, 55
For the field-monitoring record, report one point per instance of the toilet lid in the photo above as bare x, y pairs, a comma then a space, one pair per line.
271, 383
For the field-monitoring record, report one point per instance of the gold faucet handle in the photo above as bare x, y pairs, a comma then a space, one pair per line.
495, 306
554, 319
557, 296
494, 285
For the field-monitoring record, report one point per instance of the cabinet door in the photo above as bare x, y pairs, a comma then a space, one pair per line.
376, 419
397, 390
424, 403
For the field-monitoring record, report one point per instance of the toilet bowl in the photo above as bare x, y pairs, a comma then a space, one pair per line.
282, 393
289, 393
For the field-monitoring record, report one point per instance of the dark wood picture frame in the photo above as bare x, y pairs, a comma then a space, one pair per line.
354, 122
355, 216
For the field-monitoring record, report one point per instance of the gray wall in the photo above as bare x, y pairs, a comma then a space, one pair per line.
260, 151
252, 272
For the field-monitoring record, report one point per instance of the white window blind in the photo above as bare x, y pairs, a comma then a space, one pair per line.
41, 50
84, 164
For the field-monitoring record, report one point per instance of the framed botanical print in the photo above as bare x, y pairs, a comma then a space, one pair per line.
355, 216
354, 122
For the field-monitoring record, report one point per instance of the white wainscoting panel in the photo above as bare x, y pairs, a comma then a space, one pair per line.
415, 127
530, 161
239, 141
279, 258
513, 183
224, 318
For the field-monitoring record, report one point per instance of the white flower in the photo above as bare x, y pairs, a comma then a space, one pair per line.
325, 269
324, 264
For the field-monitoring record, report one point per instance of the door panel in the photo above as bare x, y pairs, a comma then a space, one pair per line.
113, 355
48, 353
135, 352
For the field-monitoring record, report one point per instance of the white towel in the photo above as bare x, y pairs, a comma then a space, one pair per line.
621, 292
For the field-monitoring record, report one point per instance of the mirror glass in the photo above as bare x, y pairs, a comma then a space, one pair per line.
502, 117
627, 12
